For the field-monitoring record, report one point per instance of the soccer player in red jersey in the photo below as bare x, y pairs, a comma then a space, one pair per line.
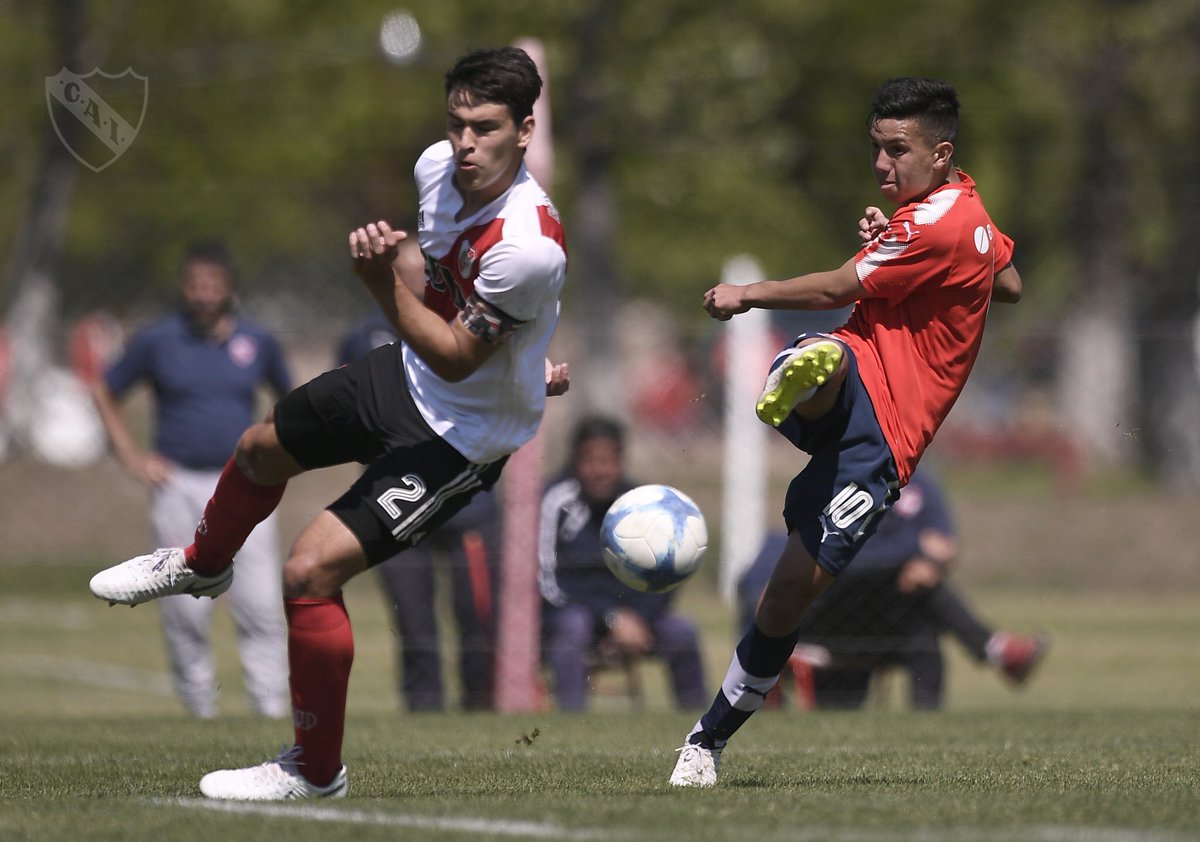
865, 400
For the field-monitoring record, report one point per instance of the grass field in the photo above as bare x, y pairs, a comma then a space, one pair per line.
998, 775
1104, 745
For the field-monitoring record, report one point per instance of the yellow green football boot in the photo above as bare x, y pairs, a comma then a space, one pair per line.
795, 377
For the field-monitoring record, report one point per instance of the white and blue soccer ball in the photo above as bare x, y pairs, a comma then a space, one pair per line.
653, 538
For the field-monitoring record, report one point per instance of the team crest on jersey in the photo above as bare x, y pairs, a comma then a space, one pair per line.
910, 502
243, 351
983, 239
466, 259
553, 211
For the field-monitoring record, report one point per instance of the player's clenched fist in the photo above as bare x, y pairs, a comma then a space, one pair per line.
558, 379
724, 301
873, 223
373, 249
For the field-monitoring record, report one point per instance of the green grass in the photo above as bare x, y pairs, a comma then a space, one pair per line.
957, 775
1104, 745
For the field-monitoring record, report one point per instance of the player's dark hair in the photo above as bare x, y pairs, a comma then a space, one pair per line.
932, 102
212, 251
505, 75
597, 427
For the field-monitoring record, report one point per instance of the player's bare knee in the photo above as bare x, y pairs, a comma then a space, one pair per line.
260, 456
247, 455
245, 463
304, 577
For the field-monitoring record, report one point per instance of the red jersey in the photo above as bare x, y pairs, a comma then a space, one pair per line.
916, 330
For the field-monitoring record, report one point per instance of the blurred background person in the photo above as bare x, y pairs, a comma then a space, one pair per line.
467, 547
204, 365
584, 605
890, 607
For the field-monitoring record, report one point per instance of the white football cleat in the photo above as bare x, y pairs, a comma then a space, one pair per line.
697, 765
162, 573
275, 780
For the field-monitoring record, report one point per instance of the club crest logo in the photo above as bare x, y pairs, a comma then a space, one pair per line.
304, 720
97, 116
466, 259
983, 239
243, 350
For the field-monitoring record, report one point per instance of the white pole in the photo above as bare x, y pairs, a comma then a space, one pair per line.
743, 517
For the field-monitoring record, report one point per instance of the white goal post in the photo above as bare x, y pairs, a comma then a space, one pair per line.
744, 472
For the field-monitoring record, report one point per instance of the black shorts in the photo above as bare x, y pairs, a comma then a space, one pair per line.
363, 412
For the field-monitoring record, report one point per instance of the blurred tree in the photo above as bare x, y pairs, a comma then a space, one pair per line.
1109, 163
1165, 67
591, 115
744, 136
691, 130
31, 296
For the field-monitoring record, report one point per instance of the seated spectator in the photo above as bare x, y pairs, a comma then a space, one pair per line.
889, 607
584, 605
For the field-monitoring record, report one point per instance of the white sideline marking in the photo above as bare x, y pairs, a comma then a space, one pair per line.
494, 827
1027, 833
500, 827
1072, 833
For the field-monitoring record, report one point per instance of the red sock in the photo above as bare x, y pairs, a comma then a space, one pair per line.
236, 507
320, 652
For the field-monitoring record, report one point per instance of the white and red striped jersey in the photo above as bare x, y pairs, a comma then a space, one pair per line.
512, 254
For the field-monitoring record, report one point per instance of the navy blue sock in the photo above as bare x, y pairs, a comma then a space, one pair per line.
754, 670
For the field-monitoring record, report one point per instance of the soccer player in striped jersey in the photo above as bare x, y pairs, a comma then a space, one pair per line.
866, 399
433, 418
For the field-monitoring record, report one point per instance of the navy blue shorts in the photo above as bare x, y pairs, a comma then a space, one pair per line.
835, 502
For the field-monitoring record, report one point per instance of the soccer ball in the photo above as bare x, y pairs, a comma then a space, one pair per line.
653, 538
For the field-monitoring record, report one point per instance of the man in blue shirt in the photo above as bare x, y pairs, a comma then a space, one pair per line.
205, 365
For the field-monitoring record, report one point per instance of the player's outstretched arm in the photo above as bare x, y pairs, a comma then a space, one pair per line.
815, 291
